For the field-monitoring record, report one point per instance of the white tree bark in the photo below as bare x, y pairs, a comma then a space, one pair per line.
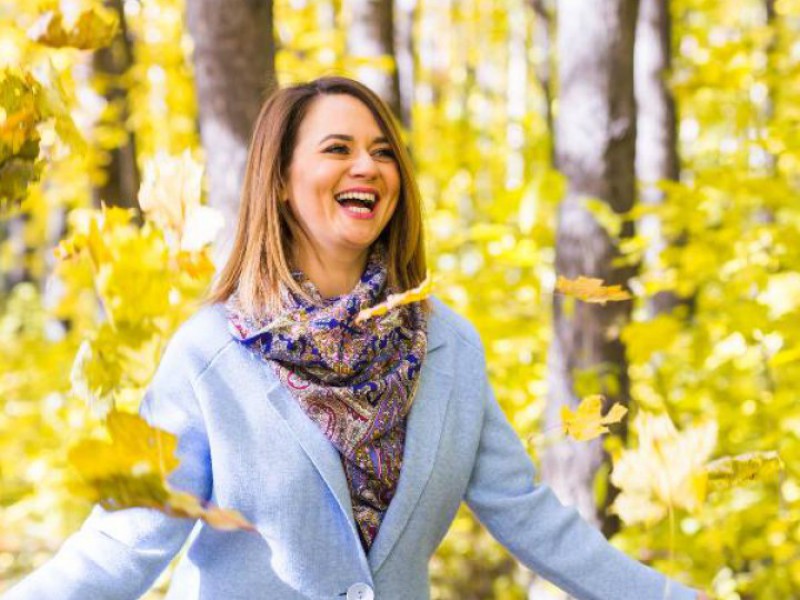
371, 35
234, 60
595, 145
656, 138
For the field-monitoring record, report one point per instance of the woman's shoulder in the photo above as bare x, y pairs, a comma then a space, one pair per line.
446, 322
201, 337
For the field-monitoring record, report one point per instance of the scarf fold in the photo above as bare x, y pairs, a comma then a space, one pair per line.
355, 381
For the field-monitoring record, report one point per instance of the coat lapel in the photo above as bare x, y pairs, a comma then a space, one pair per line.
424, 428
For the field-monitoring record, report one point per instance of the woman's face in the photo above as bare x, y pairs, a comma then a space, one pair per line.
344, 181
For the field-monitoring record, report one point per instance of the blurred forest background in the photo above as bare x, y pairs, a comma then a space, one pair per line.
651, 144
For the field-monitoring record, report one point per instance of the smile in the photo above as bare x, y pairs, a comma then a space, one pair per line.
360, 204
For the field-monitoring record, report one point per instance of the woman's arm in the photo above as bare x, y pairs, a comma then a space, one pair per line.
120, 554
543, 534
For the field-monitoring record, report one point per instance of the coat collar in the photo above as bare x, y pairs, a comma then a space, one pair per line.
424, 429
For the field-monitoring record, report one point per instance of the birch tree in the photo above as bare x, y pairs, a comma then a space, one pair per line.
234, 61
371, 37
595, 146
656, 139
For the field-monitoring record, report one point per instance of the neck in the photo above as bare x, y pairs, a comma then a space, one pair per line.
332, 274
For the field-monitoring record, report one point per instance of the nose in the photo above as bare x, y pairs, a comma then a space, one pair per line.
364, 166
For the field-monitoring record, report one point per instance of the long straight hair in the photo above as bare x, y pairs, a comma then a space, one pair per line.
259, 260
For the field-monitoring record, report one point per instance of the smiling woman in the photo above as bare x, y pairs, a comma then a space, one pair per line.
343, 189
348, 444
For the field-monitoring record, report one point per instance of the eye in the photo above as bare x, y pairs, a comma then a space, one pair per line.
385, 153
337, 149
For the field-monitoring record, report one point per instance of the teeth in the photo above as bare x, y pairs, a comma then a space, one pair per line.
359, 209
362, 196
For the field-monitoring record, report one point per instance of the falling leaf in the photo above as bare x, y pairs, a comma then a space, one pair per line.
181, 504
132, 470
591, 290
611, 221
171, 190
200, 228
90, 29
666, 470
416, 294
21, 113
586, 423
99, 404
731, 471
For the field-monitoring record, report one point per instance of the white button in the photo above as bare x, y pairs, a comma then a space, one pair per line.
360, 591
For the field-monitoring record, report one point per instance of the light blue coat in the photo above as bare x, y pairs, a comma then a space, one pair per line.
244, 443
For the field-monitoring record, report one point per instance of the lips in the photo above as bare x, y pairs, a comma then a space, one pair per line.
364, 197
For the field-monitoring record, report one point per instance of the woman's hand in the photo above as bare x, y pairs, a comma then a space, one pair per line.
703, 596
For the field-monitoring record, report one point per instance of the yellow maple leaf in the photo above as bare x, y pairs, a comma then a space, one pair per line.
731, 471
586, 423
171, 189
416, 294
132, 469
181, 504
91, 28
591, 290
666, 470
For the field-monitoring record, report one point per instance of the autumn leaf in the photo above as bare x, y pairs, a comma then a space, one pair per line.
731, 471
666, 470
200, 228
586, 423
171, 189
132, 470
591, 290
21, 113
90, 29
416, 294
181, 504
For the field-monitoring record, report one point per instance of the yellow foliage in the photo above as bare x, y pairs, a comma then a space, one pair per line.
416, 294
170, 196
132, 470
643, 338
732, 471
91, 28
591, 290
665, 471
587, 423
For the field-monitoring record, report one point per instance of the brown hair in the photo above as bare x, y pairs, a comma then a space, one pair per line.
258, 262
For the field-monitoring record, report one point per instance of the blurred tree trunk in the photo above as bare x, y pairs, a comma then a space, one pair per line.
371, 36
543, 25
234, 61
656, 136
595, 146
405, 11
12, 232
121, 184
771, 19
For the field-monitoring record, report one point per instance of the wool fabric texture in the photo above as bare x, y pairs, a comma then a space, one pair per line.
355, 381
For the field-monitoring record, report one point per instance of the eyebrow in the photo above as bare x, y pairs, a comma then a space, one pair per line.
349, 138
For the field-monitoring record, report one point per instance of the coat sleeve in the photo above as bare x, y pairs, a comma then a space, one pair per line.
120, 554
546, 536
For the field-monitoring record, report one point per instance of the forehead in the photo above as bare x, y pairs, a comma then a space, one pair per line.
337, 113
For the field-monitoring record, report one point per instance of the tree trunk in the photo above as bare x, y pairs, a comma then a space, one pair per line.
404, 57
656, 139
121, 184
543, 61
371, 35
234, 60
595, 147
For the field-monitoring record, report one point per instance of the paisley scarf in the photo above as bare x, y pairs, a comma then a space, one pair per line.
355, 381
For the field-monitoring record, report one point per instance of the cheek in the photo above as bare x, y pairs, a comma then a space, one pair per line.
392, 178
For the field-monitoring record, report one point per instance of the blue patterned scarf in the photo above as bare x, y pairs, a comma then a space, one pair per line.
355, 381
